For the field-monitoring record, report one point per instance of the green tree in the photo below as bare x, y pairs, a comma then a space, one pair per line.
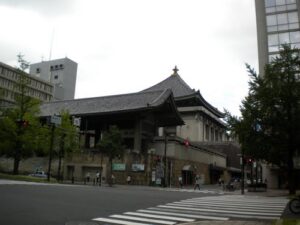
68, 140
269, 127
111, 146
19, 123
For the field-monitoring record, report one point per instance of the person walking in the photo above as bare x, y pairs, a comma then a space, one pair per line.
87, 177
197, 182
128, 179
113, 179
180, 181
97, 177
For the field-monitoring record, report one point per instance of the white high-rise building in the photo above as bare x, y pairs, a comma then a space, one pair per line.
277, 23
61, 73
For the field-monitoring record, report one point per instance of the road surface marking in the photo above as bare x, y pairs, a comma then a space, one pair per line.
184, 215
160, 217
118, 221
165, 222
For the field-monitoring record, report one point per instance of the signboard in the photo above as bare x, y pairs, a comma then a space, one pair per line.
76, 121
118, 167
153, 176
159, 171
158, 181
55, 120
138, 167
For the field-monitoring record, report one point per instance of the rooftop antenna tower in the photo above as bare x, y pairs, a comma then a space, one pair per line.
51, 44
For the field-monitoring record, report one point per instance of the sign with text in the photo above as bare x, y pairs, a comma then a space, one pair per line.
118, 167
55, 120
138, 167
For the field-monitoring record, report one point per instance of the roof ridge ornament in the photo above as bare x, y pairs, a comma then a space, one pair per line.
175, 70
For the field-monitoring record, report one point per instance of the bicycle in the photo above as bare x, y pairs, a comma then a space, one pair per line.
294, 205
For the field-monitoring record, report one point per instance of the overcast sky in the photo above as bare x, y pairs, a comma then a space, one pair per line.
124, 46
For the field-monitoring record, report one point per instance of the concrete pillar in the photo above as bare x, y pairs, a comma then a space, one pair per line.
137, 136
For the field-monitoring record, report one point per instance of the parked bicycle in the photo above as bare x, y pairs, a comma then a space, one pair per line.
294, 205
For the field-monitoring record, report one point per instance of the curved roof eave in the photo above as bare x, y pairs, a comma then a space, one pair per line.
198, 95
115, 104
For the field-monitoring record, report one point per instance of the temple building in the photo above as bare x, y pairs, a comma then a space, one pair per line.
169, 131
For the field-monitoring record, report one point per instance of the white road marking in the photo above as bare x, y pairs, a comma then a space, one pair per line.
160, 217
184, 215
165, 222
118, 221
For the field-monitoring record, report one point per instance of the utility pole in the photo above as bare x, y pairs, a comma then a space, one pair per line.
54, 120
60, 156
243, 173
50, 151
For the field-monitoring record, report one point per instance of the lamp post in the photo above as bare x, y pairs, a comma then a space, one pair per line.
165, 160
242, 162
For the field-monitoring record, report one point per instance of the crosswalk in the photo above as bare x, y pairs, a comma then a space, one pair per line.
204, 191
220, 208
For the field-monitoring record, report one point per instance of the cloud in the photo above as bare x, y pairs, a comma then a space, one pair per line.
44, 7
126, 46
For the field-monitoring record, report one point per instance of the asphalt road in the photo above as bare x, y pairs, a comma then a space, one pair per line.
57, 205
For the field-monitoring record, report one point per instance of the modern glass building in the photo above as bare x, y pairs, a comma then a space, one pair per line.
277, 24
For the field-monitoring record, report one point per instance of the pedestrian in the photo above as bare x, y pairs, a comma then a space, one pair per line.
180, 181
97, 177
128, 179
87, 177
112, 179
197, 182
266, 182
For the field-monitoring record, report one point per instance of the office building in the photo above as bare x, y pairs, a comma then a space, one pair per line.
277, 24
61, 73
9, 78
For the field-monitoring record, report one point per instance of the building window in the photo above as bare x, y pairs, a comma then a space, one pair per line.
38, 70
276, 40
279, 5
283, 21
56, 77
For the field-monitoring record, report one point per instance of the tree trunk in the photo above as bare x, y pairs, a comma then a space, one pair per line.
17, 157
60, 156
16, 163
292, 189
110, 180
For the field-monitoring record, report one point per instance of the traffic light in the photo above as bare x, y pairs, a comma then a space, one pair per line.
250, 160
25, 123
22, 123
186, 143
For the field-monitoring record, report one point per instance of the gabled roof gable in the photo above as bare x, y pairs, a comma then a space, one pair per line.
182, 91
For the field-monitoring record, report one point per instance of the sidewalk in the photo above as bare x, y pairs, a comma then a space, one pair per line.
228, 222
268, 193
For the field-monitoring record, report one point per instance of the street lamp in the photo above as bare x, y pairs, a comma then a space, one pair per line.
242, 163
165, 160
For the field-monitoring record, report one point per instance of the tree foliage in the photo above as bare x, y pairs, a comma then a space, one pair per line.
111, 145
19, 124
68, 132
269, 126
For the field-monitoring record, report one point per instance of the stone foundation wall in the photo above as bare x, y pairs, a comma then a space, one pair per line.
30, 165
